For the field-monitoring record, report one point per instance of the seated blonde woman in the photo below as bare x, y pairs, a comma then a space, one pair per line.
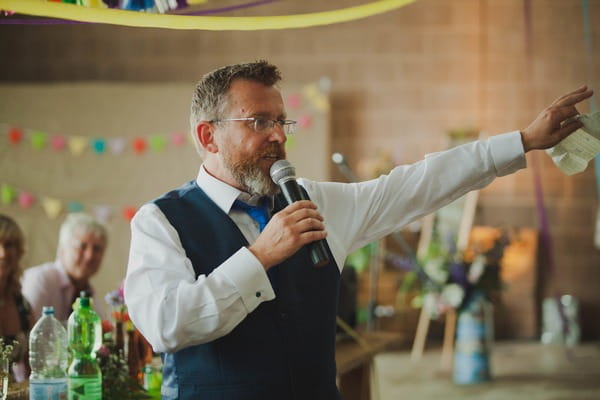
17, 319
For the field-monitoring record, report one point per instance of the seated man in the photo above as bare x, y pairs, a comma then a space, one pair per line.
81, 244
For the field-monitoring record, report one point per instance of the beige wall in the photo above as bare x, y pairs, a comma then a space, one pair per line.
400, 80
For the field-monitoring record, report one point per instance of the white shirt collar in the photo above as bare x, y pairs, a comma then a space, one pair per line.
218, 191
222, 193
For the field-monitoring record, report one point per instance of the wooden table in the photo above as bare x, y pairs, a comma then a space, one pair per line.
354, 362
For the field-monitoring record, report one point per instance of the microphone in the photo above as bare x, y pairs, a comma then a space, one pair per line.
339, 160
284, 175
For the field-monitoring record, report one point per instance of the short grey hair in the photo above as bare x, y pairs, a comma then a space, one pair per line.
77, 223
209, 100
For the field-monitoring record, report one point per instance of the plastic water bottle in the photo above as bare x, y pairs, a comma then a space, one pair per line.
85, 338
48, 358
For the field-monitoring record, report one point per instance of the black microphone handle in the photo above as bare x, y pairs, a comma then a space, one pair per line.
292, 193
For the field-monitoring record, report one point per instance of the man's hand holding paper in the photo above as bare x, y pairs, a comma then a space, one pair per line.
573, 153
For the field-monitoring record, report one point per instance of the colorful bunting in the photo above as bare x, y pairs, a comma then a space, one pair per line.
177, 139
26, 200
98, 145
77, 145
74, 206
102, 213
139, 145
117, 145
312, 94
58, 142
158, 143
38, 140
15, 135
304, 121
129, 212
52, 207
213, 23
293, 101
290, 142
7, 194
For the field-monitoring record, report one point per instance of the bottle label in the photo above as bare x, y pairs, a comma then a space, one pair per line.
85, 388
48, 390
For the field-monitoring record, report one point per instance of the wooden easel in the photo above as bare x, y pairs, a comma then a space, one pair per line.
464, 229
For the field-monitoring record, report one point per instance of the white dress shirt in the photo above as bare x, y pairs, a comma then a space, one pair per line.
173, 309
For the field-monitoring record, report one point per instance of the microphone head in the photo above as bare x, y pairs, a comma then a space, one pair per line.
282, 169
337, 158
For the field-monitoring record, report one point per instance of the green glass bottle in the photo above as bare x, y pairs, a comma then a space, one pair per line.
85, 338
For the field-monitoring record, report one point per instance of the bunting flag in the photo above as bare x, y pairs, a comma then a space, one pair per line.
213, 23
54, 207
26, 200
78, 145
7, 194
313, 97
310, 99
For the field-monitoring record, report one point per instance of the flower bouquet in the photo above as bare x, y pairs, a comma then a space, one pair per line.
117, 380
5, 355
448, 278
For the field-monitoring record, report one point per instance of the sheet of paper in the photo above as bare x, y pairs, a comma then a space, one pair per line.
573, 153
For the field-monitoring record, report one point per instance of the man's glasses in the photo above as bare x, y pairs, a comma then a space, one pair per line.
265, 125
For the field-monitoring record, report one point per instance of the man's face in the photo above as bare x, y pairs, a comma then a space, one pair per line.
245, 154
83, 255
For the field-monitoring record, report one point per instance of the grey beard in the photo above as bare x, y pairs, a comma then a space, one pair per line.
253, 180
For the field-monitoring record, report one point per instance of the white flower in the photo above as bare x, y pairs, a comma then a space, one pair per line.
436, 270
452, 295
476, 269
430, 303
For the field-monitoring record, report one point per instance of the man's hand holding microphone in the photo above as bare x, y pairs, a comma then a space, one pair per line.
297, 225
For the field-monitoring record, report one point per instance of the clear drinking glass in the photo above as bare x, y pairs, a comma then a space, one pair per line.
4, 375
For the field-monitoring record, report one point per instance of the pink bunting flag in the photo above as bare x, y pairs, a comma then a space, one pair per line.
26, 200
58, 142
293, 101
305, 121
177, 139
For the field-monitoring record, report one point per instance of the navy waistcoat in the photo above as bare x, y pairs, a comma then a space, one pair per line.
284, 349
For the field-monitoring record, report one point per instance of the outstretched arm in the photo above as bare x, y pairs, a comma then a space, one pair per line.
553, 124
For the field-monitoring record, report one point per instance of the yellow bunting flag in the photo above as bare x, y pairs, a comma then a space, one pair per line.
211, 23
321, 103
77, 145
316, 98
53, 207
311, 91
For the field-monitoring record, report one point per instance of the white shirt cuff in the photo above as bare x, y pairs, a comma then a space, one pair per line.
249, 277
507, 153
